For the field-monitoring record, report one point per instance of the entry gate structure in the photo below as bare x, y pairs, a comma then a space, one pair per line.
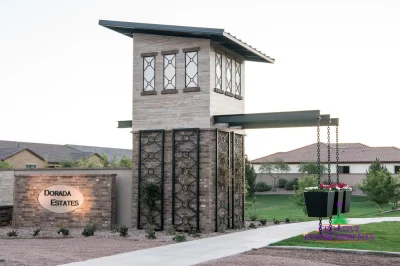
230, 167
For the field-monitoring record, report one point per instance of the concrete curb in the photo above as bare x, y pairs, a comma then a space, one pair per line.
340, 250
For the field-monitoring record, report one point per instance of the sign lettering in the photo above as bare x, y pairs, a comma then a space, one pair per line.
60, 198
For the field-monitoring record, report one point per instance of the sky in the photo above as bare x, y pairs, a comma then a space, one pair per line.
66, 80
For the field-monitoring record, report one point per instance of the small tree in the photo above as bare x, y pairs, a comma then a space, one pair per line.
376, 166
104, 160
311, 168
67, 163
274, 169
298, 197
5, 165
114, 162
85, 163
251, 176
380, 186
125, 161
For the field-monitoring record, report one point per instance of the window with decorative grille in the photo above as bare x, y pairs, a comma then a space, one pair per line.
191, 69
170, 72
149, 73
218, 71
238, 80
228, 69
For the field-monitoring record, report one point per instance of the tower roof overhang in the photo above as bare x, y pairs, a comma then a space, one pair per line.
216, 35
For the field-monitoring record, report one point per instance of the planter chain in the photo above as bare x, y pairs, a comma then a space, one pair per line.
329, 152
337, 154
318, 151
320, 226
319, 165
329, 166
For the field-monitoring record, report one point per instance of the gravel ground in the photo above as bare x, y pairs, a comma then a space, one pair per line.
50, 248
292, 257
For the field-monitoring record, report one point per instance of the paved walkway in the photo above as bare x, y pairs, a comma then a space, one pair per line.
194, 252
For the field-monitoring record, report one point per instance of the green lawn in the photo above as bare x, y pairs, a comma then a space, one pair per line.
281, 207
386, 238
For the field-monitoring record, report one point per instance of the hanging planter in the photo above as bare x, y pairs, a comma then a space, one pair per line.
339, 195
319, 201
347, 192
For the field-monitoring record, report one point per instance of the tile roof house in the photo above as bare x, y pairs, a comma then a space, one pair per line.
353, 157
21, 154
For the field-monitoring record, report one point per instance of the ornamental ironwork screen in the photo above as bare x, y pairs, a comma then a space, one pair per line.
238, 180
223, 180
185, 179
151, 179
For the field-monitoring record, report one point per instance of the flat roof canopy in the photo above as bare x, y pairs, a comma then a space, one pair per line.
219, 36
267, 120
275, 120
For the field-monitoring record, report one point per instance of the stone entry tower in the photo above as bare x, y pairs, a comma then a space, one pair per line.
188, 170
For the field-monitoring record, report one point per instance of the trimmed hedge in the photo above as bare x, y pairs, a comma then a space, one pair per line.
282, 182
261, 187
291, 184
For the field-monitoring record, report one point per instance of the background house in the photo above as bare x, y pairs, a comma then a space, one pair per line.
354, 160
41, 155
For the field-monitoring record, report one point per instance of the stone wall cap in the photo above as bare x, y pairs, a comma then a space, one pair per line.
68, 175
68, 169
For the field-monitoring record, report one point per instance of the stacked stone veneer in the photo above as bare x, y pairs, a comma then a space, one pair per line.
5, 215
98, 206
207, 161
6, 187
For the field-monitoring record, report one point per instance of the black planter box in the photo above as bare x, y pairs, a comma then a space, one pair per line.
346, 201
338, 198
319, 203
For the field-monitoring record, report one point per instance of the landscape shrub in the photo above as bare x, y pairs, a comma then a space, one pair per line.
298, 197
222, 228
251, 176
261, 187
380, 186
275, 221
150, 232
289, 185
287, 220
253, 216
64, 231
253, 213
123, 231
115, 228
89, 230
66, 163
12, 233
193, 232
36, 232
125, 161
263, 221
5, 165
179, 238
171, 231
282, 182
